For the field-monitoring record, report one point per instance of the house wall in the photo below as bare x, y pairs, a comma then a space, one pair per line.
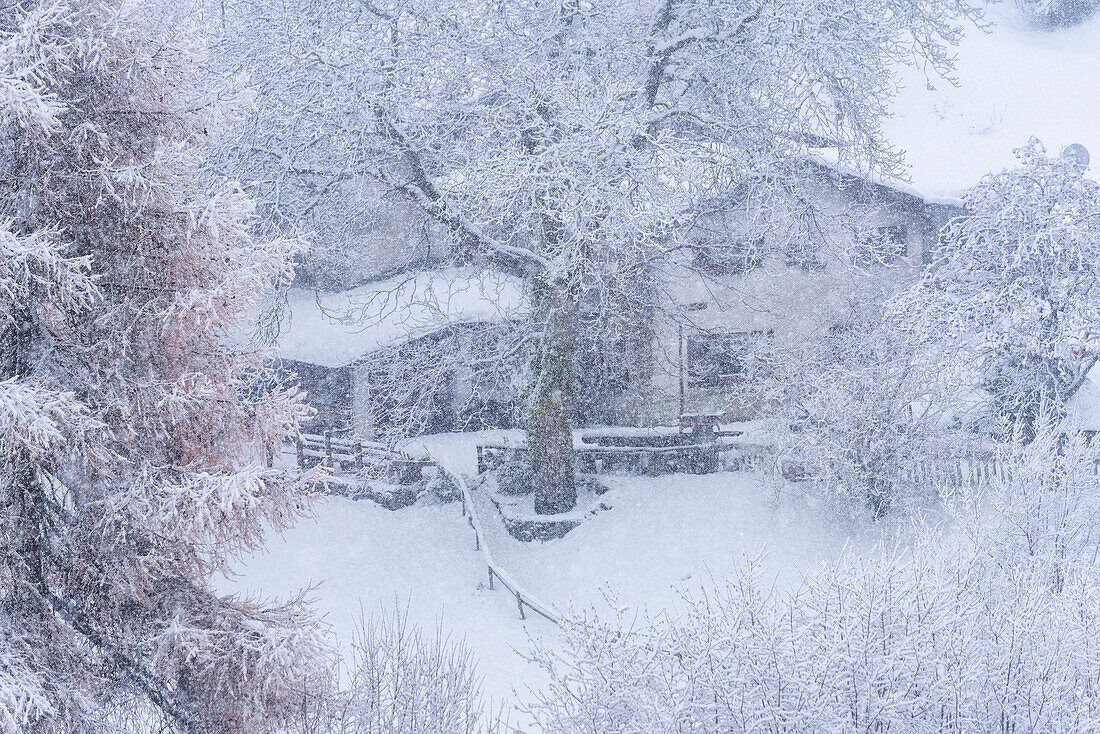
328, 390
780, 295
488, 377
787, 302
444, 381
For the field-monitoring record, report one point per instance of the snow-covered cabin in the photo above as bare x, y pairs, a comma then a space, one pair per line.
730, 297
356, 350
1013, 83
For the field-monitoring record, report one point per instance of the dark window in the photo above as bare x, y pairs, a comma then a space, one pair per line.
804, 253
717, 360
733, 259
328, 390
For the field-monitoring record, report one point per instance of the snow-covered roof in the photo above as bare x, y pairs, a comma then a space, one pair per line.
1014, 82
336, 329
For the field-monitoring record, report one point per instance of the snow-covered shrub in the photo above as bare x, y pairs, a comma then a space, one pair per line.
1043, 509
859, 409
985, 626
1058, 12
402, 681
514, 475
944, 641
440, 486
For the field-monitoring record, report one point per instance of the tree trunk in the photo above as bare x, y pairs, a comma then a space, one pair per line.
549, 432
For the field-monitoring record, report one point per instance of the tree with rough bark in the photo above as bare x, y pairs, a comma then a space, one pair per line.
571, 143
131, 432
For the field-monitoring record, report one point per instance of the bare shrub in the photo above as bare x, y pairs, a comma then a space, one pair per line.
403, 681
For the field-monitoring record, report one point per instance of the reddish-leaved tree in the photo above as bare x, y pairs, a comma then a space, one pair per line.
129, 426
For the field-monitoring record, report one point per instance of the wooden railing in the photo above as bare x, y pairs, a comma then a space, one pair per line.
524, 599
341, 454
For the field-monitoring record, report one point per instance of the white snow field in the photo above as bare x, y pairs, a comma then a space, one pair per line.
660, 534
1012, 83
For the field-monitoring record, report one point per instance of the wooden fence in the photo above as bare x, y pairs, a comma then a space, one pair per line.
525, 601
968, 471
343, 454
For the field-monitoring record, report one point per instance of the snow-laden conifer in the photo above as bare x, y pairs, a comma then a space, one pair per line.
129, 427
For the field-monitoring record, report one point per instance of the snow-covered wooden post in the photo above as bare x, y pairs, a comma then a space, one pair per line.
301, 449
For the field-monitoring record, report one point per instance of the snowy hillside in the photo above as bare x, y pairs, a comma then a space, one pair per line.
1013, 82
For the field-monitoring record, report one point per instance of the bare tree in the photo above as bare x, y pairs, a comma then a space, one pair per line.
402, 680
568, 143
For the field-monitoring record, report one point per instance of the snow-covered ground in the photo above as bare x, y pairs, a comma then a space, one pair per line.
660, 534
1014, 82
664, 534
420, 559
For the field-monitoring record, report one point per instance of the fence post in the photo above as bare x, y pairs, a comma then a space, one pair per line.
519, 603
490, 578
328, 449
301, 453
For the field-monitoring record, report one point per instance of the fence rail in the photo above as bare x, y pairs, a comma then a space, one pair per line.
340, 454
524, 599
695, 458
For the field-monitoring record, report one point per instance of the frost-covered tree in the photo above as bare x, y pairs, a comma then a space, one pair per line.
129, 428
1058, 12
567, 143
841, 408
868, 407
1018, 283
